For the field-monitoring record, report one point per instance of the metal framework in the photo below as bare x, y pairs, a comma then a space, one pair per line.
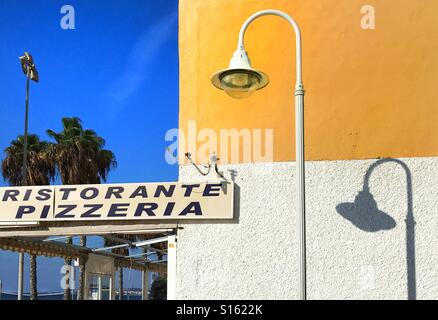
66, 251
73, 228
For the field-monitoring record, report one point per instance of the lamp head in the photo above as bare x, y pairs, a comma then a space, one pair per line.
28, 66
240, 80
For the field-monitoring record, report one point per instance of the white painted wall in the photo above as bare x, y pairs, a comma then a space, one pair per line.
255, 256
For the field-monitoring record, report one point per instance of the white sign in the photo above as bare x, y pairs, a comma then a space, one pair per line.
133, 201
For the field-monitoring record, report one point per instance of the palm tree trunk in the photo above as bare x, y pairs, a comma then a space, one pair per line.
67, 263
120, 283
82, 243
33, 277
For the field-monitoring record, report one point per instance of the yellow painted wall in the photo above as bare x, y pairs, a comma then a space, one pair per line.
369, 93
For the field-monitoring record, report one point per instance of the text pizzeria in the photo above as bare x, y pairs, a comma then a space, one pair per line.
111, 202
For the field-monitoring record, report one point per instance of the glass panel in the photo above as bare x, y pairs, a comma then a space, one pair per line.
106, 282
93, 294
105, 294
93, 290
94, 281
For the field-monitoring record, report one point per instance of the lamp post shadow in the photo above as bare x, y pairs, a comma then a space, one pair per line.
365, 215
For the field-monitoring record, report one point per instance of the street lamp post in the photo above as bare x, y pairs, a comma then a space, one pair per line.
31, 73
29, 69
240, 80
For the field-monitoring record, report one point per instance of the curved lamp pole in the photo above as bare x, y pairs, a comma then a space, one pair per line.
240, 80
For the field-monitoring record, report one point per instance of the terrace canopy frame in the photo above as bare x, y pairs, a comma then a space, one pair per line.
53, 247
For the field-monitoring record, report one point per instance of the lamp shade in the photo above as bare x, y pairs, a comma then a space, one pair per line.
240, 80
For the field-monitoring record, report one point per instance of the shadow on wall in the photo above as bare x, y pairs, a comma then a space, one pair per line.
365, 215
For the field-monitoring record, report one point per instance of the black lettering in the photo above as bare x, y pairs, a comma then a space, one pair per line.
211, 188
43, 194
146, 207
11, 194
67, 208
193, 207
27, 194
45, 212
22, 210
140, 192
169, 209
89, 213
66, 192
116, 210
163, 190
94, 193
189, 189
114, 191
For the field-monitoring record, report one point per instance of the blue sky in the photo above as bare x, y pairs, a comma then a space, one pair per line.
117, 71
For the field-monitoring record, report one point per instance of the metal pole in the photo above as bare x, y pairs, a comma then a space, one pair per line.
171, 268
23, 183
26, 116
145, 284
20, 276
299, 137
300, 181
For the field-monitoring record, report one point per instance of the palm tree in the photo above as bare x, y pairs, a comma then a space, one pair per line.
80, 158
159, 288
79, 154
120, 280
67, 262
33, 277
81, 282
40, 171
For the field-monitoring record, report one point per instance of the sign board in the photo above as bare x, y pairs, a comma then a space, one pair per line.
133, 201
